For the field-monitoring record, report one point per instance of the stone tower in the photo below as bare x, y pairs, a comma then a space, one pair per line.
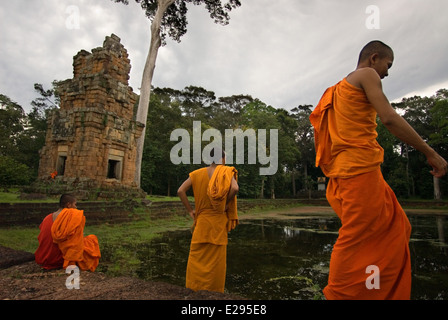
91, 140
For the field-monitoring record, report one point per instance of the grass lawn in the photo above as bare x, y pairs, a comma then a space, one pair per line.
116, 240
13, 196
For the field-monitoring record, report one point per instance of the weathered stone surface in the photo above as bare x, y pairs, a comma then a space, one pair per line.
91, 139
96, 212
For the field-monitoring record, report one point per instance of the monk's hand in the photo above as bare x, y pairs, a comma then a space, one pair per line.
192, 214
438, 164
231, 224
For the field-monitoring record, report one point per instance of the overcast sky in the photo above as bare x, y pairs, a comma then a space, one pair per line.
283, 52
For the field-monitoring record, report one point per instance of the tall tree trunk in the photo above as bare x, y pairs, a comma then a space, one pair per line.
407, 171
148, 72
293, 177
305, 175
262, 188
437, 193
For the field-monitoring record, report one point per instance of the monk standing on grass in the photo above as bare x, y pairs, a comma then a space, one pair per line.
61, 239
215, 214
370, 259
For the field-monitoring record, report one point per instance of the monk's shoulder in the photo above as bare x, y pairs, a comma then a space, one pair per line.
72, 213
362, 72
359, 77
231, 169
198, 172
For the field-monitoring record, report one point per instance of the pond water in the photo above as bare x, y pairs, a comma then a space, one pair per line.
289, 258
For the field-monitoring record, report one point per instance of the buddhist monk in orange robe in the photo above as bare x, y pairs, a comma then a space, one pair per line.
215, 214
371, 258
48, 255
62, 242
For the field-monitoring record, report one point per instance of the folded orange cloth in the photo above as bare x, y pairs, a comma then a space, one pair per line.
211, 223
206, 267
48, 254
68, 232
375, 232
218, 189
345, 134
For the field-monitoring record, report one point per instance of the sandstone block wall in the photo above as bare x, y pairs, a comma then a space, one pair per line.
91, 139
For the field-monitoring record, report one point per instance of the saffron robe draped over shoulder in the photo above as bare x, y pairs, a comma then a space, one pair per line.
375, 231
48, 255
345, 134
206, 268
217, 191
68, 232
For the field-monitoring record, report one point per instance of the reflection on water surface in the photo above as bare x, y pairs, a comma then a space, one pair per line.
289, 259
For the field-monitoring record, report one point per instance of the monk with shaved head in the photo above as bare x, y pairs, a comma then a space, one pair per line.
371, 258
61, 239
215, 214
377, 48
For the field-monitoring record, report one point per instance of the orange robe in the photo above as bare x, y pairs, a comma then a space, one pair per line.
48, 254
68, 232
206, 268
375, 230
217, 191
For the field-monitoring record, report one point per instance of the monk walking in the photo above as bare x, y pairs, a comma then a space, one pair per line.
62, 242
370, 259
215, 214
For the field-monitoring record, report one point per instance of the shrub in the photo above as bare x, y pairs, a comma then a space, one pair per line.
13, 172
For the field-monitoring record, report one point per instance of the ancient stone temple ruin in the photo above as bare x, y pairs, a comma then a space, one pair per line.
91, 140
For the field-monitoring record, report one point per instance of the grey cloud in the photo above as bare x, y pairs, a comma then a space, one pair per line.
285, 52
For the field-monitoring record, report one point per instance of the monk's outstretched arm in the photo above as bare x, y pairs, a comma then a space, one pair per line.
397, 125
182, 193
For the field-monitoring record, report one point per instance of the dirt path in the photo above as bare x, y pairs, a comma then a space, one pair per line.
27, 281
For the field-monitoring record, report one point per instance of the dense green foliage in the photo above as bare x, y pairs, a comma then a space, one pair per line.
174, 22
406, 169
22, 135
172, 109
